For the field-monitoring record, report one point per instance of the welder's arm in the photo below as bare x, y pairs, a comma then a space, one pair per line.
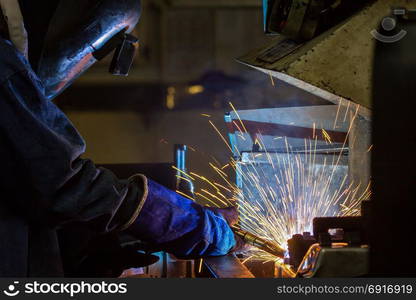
42, 176
50, 185
47, 182
181, 226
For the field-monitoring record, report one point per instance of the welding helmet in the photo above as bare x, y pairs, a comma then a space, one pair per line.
67, 36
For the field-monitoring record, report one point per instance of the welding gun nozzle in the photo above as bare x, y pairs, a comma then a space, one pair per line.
263, 244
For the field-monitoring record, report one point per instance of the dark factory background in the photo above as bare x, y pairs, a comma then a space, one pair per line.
186, 67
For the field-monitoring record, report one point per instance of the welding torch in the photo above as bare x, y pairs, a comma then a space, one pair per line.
258, 242
230, 214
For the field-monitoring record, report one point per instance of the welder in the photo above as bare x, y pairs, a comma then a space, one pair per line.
44, 182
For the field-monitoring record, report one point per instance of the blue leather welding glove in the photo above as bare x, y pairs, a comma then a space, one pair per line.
180, 226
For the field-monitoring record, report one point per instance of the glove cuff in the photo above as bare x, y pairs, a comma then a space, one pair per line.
142, 181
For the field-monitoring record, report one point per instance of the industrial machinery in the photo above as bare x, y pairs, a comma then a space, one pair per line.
344, 253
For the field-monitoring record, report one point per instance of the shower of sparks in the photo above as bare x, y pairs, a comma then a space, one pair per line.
271, 78
313, 130
247, 259
185, 195
336, 116
347, 110
200, 265
302, 186
238, 116
326, 136
183, 173
222, 136
276, 208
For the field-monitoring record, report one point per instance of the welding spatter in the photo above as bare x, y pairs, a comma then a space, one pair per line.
258, 242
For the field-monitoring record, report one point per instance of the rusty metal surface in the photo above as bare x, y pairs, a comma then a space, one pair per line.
228, 266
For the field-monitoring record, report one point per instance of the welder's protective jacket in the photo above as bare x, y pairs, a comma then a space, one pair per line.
44, 184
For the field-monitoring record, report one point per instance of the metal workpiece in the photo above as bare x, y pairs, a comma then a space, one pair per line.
281, 127
295, 136
353, 231
268, 168
337, 260
298, 246
228, 266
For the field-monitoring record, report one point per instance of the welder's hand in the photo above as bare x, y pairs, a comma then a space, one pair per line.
230, 214
180, 226
240, 245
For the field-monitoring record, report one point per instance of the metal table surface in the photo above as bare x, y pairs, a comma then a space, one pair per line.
228, 266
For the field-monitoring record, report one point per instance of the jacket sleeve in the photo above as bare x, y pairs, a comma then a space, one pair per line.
60, 186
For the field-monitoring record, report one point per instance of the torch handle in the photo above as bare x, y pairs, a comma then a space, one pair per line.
256, 241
